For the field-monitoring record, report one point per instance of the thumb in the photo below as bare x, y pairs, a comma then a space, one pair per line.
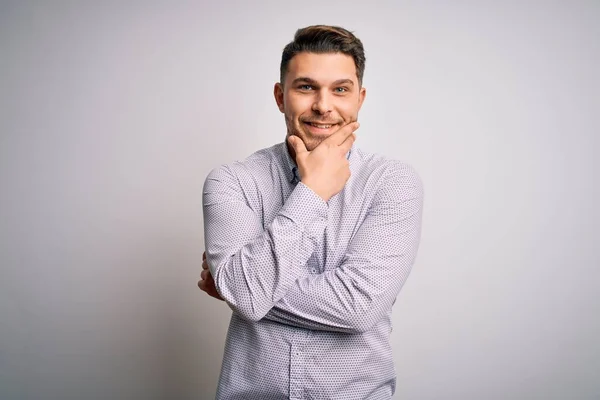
297, 144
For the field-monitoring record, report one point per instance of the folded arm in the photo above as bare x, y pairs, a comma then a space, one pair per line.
361, 291
254, 267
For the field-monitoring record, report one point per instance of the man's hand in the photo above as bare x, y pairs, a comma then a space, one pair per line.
325, 169
206, 282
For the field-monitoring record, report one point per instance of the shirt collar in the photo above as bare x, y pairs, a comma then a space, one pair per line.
290, 167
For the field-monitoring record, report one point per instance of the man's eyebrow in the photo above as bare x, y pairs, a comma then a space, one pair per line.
343, 82
305, 79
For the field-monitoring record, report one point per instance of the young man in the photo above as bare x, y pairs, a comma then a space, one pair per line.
310, 241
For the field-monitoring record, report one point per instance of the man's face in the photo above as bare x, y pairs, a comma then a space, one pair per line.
320, 95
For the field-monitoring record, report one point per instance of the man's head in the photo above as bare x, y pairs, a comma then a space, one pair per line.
320, 86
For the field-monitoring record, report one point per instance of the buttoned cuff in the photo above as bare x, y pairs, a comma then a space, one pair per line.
307, 210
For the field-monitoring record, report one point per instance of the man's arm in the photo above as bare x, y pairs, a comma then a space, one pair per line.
355, 296
359, 293
254, 267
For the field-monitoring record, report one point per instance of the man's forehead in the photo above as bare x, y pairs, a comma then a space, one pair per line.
322, 67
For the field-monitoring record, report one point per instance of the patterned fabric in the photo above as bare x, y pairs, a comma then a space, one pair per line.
311, 284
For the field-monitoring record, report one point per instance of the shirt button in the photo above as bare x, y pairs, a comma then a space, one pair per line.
314, 270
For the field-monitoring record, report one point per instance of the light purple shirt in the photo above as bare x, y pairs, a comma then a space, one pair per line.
311, 283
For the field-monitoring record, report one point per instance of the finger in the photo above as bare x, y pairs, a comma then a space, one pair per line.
204, 265
209, 287
297, 144
206, 287
342, 134
345, 147
204, 284
204, 256
210, 282
204, 274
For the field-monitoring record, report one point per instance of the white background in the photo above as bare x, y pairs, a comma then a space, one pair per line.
112, 114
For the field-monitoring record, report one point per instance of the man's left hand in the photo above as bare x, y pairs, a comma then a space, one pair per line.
206, 282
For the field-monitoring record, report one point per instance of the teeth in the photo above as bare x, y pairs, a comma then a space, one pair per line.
321, 126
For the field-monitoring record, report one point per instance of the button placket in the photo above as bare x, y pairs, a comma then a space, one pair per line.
297, 366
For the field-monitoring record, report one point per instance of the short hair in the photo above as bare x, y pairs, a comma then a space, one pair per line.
322, 39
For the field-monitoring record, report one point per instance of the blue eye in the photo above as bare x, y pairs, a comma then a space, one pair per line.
341, 89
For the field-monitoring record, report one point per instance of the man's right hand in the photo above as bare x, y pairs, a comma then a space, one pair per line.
325, 169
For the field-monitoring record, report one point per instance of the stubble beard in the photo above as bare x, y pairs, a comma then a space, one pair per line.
310, 141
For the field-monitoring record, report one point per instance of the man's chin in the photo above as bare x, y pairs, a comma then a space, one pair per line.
311, 142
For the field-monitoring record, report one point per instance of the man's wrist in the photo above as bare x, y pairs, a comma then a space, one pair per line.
315, 190
306, 209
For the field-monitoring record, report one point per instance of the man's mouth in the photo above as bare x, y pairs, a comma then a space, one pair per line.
322, 126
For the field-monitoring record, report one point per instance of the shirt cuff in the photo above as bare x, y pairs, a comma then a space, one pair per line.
307, 210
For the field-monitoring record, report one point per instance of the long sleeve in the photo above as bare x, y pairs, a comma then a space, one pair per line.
361, 291
253, 267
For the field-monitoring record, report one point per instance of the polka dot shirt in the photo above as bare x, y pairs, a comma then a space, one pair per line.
311, 283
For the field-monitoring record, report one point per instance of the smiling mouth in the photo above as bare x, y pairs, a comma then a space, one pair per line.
318, 125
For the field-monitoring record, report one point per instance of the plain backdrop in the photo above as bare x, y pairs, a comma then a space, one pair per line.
112, 113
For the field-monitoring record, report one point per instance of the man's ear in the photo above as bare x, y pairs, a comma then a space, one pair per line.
278, 93
361, 97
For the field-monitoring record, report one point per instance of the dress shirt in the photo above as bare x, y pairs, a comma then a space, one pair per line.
311, 283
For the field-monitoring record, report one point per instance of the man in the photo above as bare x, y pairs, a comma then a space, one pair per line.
310, 241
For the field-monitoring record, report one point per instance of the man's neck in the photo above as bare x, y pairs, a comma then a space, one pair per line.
290, 151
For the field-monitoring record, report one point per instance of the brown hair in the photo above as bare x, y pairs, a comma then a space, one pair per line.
324, 39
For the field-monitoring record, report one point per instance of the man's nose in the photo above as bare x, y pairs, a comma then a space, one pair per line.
322, 103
